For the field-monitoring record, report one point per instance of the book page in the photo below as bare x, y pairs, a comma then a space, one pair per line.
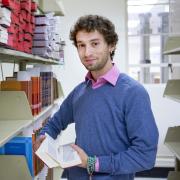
65, 155
41, 153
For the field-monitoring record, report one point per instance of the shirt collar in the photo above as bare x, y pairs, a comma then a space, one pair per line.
111, 76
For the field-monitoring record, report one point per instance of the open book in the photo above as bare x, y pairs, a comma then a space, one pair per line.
58, 152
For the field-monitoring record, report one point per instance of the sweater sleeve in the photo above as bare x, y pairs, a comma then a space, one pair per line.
60, 119
142, 133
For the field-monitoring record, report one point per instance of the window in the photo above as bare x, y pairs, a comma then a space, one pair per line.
148, 29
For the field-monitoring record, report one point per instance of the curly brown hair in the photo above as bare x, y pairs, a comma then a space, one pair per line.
90, 23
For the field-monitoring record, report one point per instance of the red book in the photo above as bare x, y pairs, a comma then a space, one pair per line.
15, 19
26, 5
33, 6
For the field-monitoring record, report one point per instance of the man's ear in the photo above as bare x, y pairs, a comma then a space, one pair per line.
111, 49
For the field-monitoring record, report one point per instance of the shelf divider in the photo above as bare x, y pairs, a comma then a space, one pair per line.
172, 140
15, 114
173, 175
14, 167
172, 90
172, 45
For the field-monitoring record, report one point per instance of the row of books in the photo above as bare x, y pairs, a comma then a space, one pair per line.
17, 24
41, 88
46, 41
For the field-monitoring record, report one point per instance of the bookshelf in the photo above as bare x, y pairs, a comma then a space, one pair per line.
15, 112
12, 56
172, 91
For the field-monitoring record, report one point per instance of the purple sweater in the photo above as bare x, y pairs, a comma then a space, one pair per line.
115, 123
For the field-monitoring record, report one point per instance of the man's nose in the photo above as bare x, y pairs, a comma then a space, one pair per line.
88, 51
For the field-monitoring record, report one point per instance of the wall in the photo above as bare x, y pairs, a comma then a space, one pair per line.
73, 72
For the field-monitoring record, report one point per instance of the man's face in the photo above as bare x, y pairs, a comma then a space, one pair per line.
93, 50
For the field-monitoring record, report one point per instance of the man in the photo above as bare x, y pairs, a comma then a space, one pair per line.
116, 134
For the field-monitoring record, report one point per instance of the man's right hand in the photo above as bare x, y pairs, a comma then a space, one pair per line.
38, 142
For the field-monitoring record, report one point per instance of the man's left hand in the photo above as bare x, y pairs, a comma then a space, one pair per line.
82, 155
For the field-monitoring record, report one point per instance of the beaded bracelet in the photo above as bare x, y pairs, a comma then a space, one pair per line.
91, 165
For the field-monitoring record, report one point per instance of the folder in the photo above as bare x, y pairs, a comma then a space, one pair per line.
32, 19
41, 29
41, 20
40, 36
33, 6
15, 19
5, 13
3, 40
5, 22
40, 43
41, 51
4, 34
16, 6
26, 5
7, 3
28, 37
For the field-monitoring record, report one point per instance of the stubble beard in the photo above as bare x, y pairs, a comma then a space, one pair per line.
98, 66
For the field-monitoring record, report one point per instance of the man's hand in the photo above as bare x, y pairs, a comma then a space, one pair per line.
82, 155
38, 142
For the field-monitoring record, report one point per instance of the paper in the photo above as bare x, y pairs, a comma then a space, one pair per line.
65, 155
58, 152
41, 153
5, 13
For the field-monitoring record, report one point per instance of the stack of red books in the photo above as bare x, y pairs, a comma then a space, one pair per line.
22, 25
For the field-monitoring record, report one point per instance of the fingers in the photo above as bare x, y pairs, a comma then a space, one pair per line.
77, 148
82, 155
38, 142
42, 138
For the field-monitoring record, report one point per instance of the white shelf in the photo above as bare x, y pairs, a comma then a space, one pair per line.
9, 129
11, 56
55, 6
16, 116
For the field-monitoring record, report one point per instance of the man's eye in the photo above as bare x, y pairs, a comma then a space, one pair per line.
95, 43
80, 45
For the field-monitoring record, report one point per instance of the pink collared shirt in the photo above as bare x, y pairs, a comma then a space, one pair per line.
111, 76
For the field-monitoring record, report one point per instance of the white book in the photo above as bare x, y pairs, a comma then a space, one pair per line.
58, 152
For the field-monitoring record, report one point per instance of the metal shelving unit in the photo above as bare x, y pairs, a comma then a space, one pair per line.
12, 56
172, 91
15, 112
